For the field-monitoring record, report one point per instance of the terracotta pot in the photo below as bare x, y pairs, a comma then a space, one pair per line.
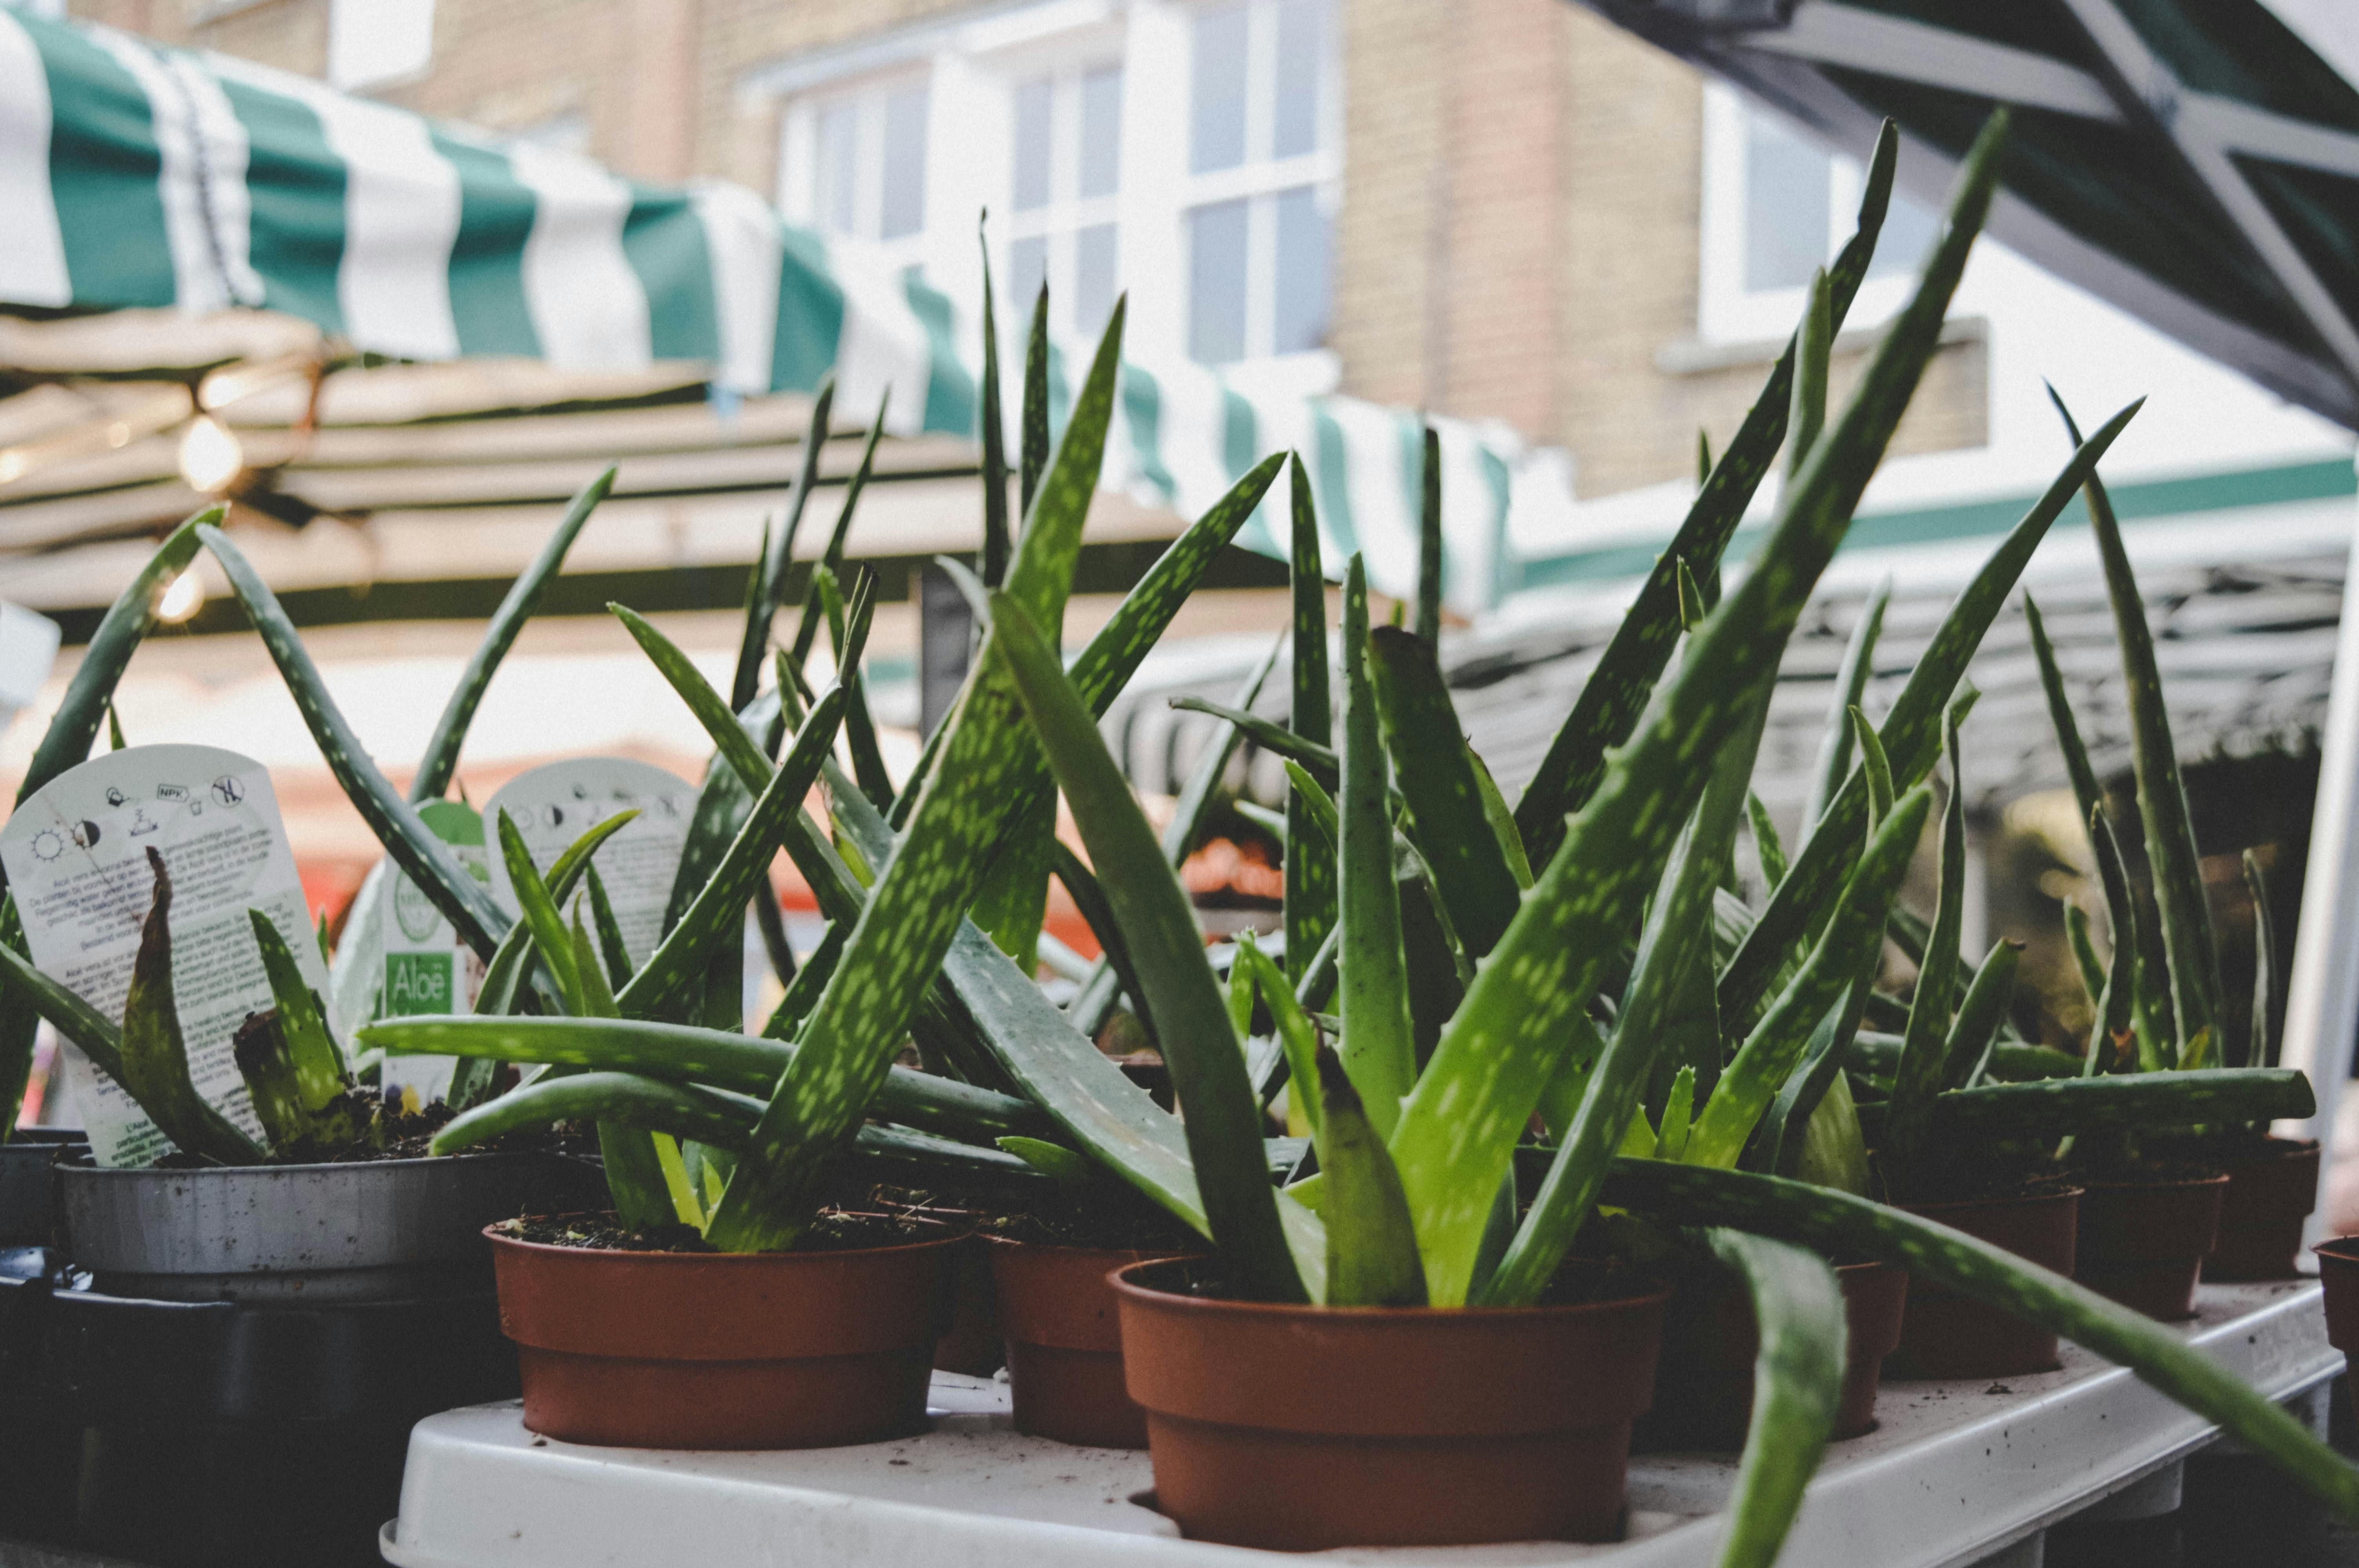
1064, 1342
1301, 1428
1703, 1386
724, 1350
2269, 1197
2141, 1244
1950, 1335
2338, 1271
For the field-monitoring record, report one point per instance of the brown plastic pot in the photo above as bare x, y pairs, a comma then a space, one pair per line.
971, 1346
1298, 1428
1950, 1335
2338, 1271
2261, 1218
724, 1350
1703, 1386
1064, 1342
2142, 1243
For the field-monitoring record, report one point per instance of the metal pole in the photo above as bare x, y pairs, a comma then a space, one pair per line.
2322, 995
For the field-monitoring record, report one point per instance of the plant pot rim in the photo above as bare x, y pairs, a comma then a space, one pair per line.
2341, 1248
1138, 1254
2075, 1191
1651, 1291
80, 1168
2176, 1185
950, 1236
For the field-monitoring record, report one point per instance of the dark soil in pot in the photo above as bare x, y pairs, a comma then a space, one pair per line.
1703, 1386
829, 1345
2142, 1242
2271, 1191
1300, 1428
1949, 1335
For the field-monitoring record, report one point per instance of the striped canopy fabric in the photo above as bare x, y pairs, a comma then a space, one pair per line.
136, 175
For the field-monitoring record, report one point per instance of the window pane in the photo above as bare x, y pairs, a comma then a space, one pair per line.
1092, 278
1102, 132
1295, 118
1216, 120
1027, 269
1031, 146
834, 197
1908, 235
1300, 314
1784, 205
903, 209
1216, 283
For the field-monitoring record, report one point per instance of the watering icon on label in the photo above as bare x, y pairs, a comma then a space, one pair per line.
114, 795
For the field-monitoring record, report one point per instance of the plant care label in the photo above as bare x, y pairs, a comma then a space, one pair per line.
77, 858
424, 966
556, 803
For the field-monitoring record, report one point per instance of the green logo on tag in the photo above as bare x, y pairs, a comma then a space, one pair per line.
417, 983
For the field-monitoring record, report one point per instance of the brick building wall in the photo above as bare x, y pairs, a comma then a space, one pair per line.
1517, 238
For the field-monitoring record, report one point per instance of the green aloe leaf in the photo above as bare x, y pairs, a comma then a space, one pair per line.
1034, 415
91, 691
1428, 541
1775, 1047
1374, 982
1223, 1117
1797, 1378
440, 759
154, 1057
542, 918
2267, 1028
2054, 1107
1088, 896
1457, 1128
87, 1029
1311, 871
1371, 1243
1837, 1222
1976, 1032
2185, 914
613, 953
510, 970
1443, 784
463, 901
1857, 669
989, 770
1298, 1034
1618, 690
1910, 735
831, 561
1767, 844
992, 564
318, 1065
1053, 1160
1319, 759
1922, 1058
1813, 342
768, 587
718, 911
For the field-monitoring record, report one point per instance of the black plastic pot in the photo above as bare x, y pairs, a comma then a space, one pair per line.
28, 1184
213, 1433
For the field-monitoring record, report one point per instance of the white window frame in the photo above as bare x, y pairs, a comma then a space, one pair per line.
798, 172
1064, 57
412, 32
1259, 180
1727, 312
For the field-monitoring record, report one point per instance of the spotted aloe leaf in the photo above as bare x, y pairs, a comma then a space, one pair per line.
1222, 1115
1851, 691
1839, 1223
1617, 691
440, 759
1309, 862
831, 560
1459, 1127
1797, 1381
154, 1057
1443, 784
1371, 1242
769, 583
1378, 1049
2062, 1105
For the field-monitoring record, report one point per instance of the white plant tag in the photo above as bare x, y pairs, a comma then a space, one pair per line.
423, 965
556, 803
76, 854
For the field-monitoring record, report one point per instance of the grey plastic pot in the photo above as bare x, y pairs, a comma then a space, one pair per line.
376, 1230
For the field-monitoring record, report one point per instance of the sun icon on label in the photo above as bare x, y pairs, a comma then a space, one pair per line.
48, 845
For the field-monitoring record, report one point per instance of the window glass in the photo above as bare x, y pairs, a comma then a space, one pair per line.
1092, 278
1300, 322
1032, 185
371, 41
1906, 237
1216, 125
903, 209
1786, 205
1101, 159
835, 200
1027, 269
1216, 283
1294, 120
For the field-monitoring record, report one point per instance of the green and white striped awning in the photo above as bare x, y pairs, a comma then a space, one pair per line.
136, 175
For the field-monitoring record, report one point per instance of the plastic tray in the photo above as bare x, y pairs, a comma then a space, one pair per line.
1956, 1473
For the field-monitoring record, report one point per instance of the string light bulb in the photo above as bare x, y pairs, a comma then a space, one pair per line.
182, 599
210, 457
